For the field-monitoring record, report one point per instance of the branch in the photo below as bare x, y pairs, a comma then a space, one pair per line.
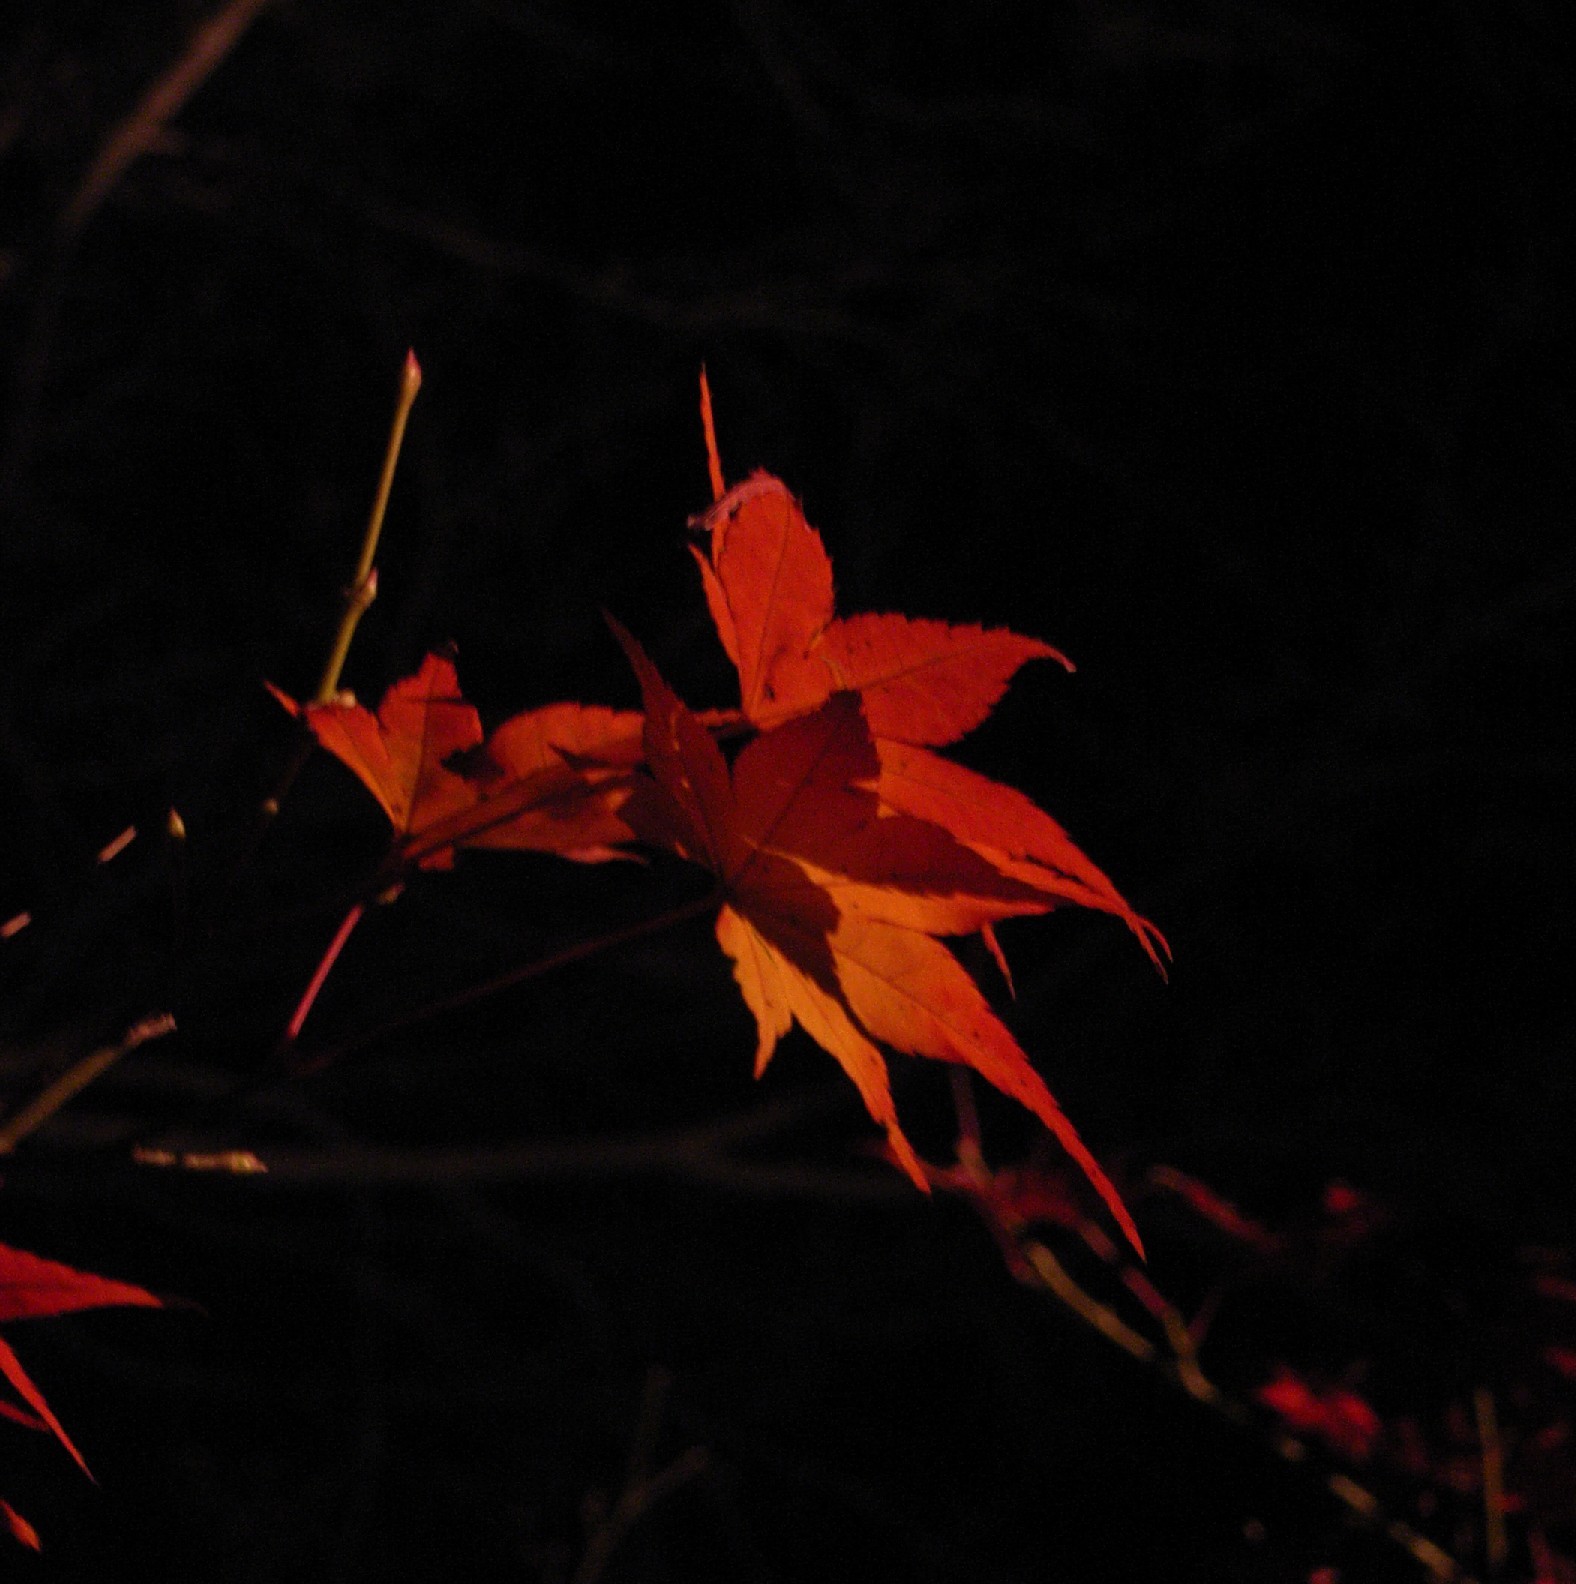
210, 43
77, 1077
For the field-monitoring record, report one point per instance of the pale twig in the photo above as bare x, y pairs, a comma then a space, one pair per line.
535, 969
714, 1156
363, 587
359, 594
677, 1158
1495, 1544
1052, 1277
1181, 1367
1032, 1261
229, 1163
77, 1077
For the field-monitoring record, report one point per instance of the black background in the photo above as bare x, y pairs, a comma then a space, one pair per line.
1225, 346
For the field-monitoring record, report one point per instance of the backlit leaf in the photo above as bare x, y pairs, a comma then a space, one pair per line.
548, 780
921, 681
768, 584
32, 1288
826, 922
398, 754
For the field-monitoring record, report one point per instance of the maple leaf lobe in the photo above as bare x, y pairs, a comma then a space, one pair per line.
768, 584
34, 1288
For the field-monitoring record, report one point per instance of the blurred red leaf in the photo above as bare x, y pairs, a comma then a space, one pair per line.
1215, 1209
21, 1530
1339, 1418
1560, 1288
32, 1288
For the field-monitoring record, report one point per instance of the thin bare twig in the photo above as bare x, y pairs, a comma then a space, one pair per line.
206, 49
363, 587
1175, 1356
1496, 1545
320, 975
642, 1489
139, 131
77, 1077
535, 969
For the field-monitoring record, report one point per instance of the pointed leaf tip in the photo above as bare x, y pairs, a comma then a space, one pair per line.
708, 426
34, 1288
21, 1530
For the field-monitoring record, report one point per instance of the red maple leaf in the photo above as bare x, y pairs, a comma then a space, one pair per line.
830, 905
768, 583
32, 1288
549, 780
1337, 1416
924, 684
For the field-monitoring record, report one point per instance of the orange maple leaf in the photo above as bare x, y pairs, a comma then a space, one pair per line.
549, 780
924, 684
32, 1288
768, 583
830, 904
398, 754
1008, 828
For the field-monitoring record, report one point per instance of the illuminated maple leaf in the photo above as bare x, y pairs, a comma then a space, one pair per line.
768, 583
549, 780
924, 684
398, 754
829, 904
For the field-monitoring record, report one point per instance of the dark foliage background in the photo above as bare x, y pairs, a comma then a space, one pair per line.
1227, 346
